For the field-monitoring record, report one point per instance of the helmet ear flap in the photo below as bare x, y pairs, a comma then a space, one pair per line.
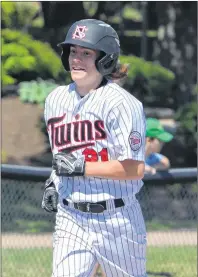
65, 57
107, 63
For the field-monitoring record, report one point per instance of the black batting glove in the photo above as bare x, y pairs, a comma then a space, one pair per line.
50, 197
68, 165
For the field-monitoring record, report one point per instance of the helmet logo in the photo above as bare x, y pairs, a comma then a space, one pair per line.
79, 32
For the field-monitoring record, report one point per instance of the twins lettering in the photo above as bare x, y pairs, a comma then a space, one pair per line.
80, 133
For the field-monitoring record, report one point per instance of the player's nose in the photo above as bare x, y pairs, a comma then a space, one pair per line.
77, 58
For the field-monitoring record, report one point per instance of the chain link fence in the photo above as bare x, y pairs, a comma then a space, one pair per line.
170, 212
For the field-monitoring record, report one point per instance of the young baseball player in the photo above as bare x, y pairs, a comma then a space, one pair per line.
97, 136
156, 136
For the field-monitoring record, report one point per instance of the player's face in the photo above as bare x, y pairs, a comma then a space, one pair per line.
82, 65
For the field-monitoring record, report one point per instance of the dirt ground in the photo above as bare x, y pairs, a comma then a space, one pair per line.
159, 238
21, 136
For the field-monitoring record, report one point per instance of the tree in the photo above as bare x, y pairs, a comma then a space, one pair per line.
58, 14
176, 49
176, 46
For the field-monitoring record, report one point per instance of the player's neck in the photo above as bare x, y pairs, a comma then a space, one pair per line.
85, 89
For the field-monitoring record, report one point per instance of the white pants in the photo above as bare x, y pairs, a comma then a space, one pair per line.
116, 239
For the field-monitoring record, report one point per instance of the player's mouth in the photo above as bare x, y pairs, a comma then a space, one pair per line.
77, 68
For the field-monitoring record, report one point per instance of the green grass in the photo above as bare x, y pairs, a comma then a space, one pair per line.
26, 262
178, 261
167, 261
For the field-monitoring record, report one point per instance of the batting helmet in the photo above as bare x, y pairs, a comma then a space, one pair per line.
97, 35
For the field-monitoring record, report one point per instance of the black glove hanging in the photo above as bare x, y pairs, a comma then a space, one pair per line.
50, 197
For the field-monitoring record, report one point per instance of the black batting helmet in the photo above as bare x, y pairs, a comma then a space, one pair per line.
97, 35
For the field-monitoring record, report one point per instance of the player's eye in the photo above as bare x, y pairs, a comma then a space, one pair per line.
72, 51
87, 54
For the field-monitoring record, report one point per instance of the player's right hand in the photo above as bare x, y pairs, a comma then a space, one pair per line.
50, 197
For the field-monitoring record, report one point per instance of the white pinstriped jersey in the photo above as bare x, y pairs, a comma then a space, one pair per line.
106, 124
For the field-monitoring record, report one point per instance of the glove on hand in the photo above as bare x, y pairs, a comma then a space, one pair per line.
50, 197
68, 165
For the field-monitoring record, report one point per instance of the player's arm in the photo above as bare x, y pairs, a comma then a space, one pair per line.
127, 169
68, 165
128, 135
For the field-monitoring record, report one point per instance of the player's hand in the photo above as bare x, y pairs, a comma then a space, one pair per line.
68, 165
50, 197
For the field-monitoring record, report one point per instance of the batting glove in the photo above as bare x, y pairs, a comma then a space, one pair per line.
68, 165
50, 197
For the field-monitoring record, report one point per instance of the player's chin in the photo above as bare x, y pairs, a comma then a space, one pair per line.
78, 75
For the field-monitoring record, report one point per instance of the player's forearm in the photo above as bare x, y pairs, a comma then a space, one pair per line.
124, 170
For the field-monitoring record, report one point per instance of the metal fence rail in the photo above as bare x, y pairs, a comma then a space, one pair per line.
169, 204
180, 175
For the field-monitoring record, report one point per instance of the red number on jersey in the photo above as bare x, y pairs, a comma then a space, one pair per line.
92, 156
103, 154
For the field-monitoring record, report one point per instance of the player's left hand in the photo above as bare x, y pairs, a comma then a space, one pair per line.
68, 165
50, 197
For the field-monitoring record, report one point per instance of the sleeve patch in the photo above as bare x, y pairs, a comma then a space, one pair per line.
135, 140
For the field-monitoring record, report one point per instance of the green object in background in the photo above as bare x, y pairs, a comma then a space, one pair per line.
35, 91
24, 58
154, 129
150, 79
19, 14
150, 70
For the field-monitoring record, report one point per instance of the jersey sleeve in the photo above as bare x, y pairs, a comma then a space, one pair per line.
127, 127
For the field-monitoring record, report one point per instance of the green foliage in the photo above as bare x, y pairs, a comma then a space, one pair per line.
35, 91
6, 79
149, 69
187, 116
7, 11
131, 33
24, 58
90, 7
151, 79
131, 13
18, 14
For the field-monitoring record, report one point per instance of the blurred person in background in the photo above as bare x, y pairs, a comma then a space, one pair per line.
156, 136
